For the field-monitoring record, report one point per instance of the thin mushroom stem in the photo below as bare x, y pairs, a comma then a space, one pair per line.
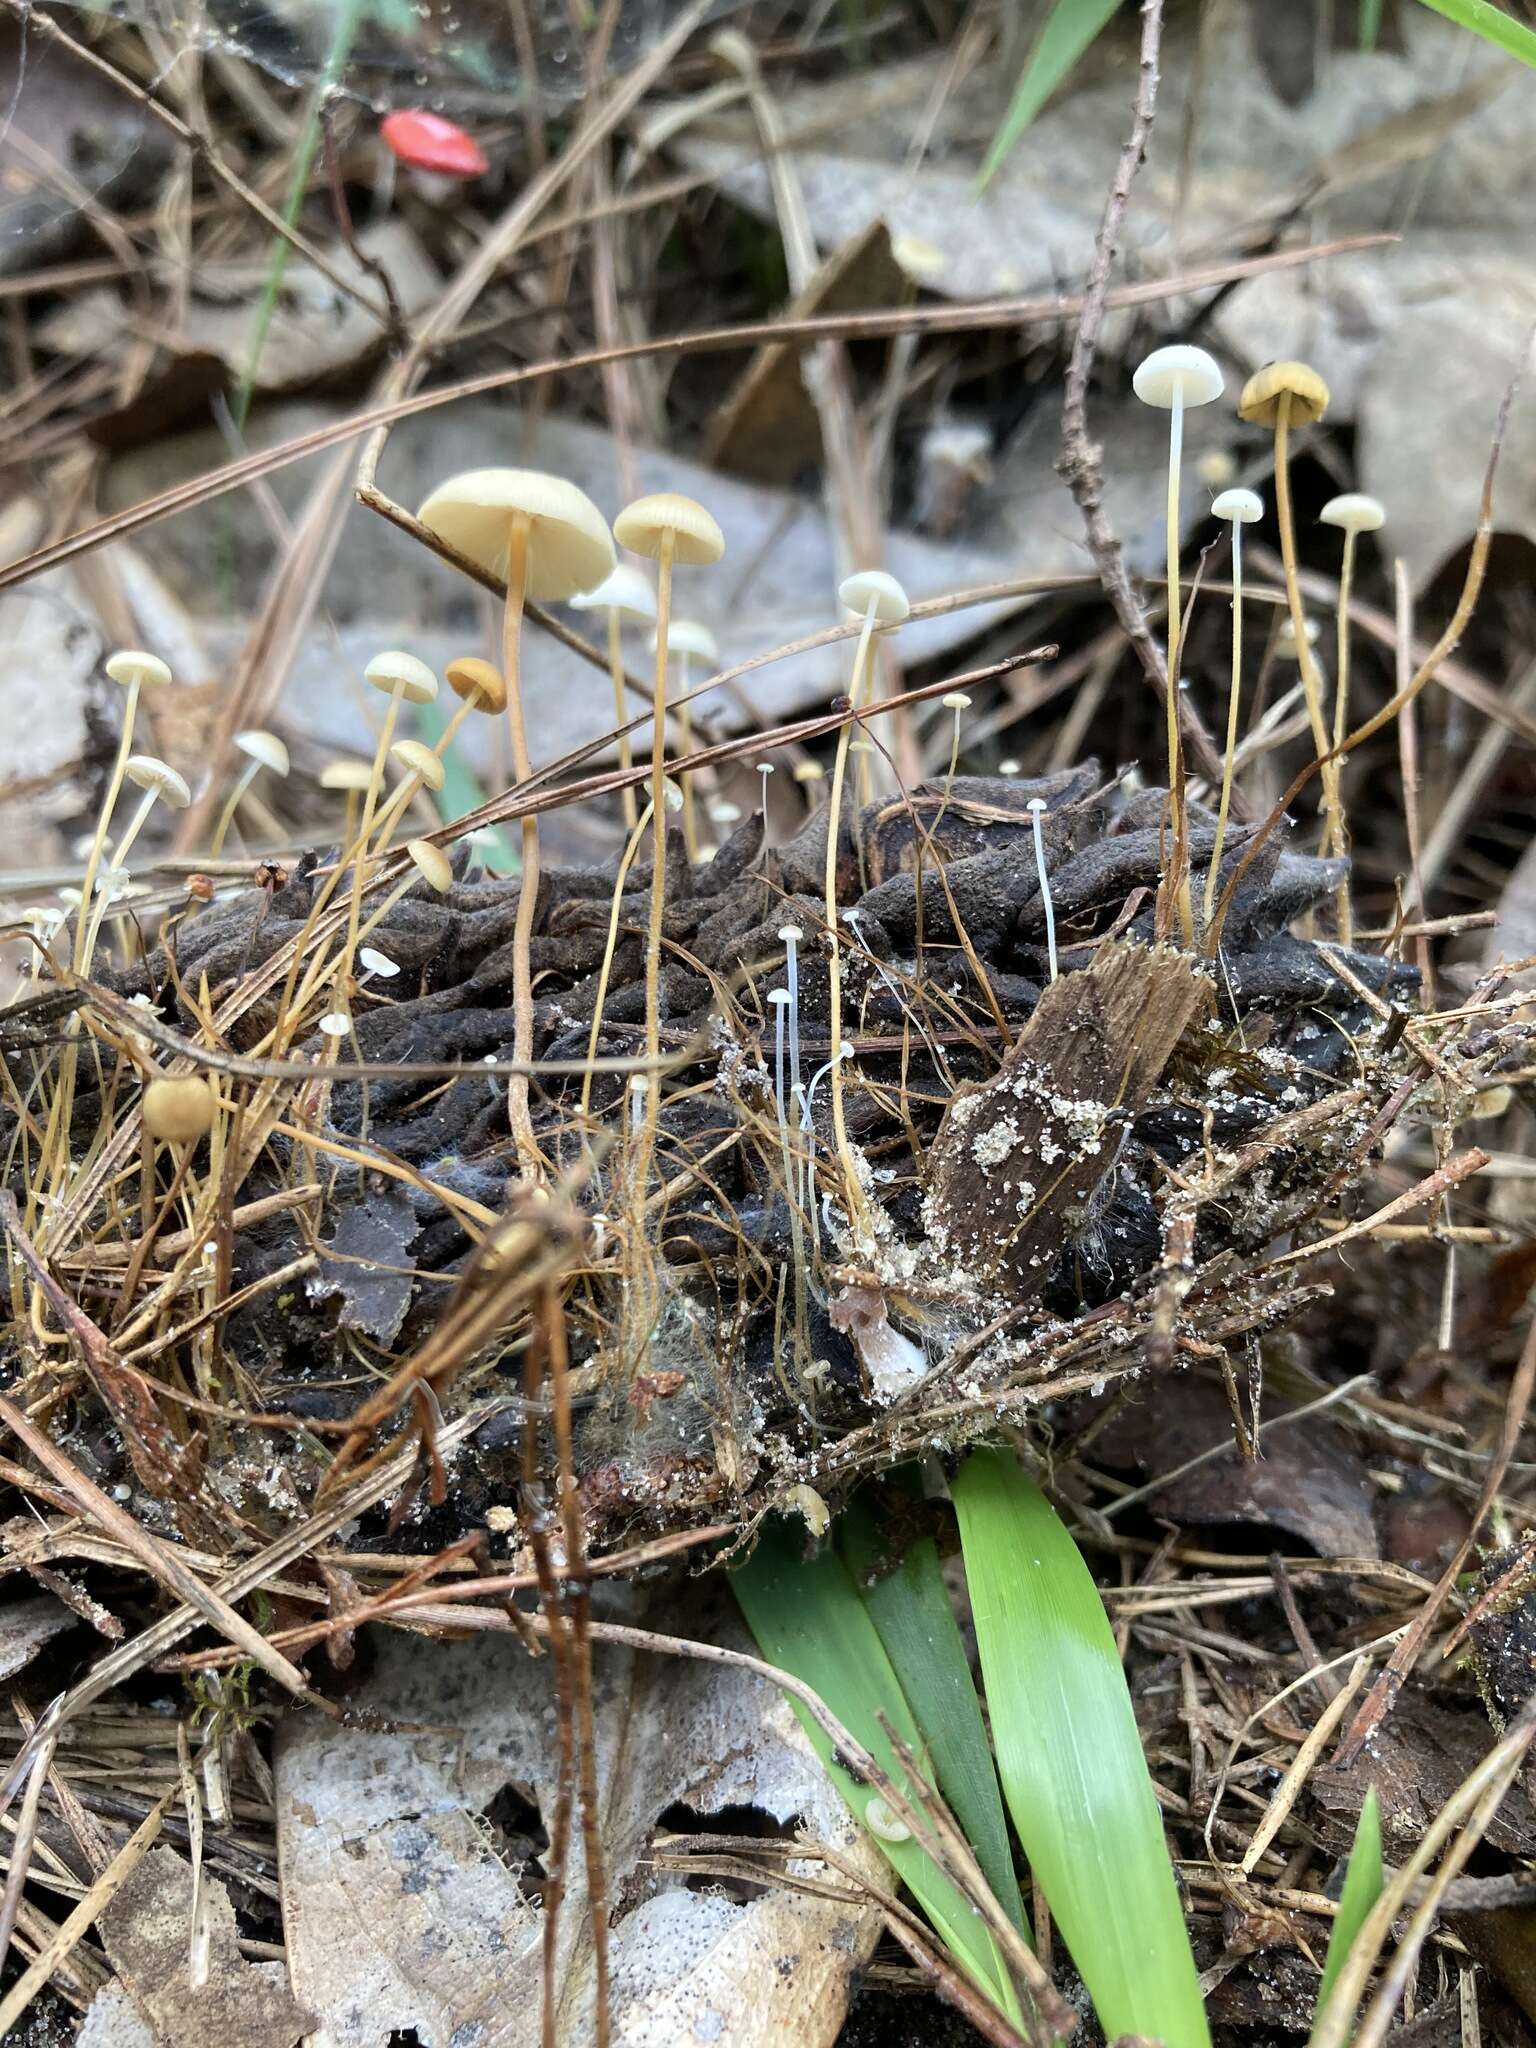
616, 671
1036, 808
659, 851
851, 1190
242, 783
1310, 684
685, 782
82, 957
359, 846
1178, 871
631, 847
1233, 695
519, 1113
1335, 838
120, 853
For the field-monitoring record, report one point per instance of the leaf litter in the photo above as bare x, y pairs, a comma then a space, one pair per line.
327, 1388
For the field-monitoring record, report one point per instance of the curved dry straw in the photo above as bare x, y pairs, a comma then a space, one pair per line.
623, 595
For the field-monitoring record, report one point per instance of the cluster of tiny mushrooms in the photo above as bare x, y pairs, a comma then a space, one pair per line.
547, 542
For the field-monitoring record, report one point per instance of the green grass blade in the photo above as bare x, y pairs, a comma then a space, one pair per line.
1363, 1877
1070, 28
1492, 24
1070, 1757
1368, 24
348, 16
911, 1610
807, 1617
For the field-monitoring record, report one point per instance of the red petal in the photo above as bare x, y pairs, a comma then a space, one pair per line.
429, 143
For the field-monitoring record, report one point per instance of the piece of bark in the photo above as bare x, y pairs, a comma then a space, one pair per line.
1019, 1159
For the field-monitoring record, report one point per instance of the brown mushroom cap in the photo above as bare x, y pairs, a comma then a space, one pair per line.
178, 1108
569, 545
1262, 393
696, 535
471, 678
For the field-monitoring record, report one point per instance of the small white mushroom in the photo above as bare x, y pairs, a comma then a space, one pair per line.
261, 750
1037, 808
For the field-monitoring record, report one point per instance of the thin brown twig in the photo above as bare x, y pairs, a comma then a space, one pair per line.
1081, 461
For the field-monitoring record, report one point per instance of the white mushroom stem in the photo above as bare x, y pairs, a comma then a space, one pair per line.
1036, 811
359, 847
620, 709
685, 782
1175, 630
829, 882
242, 783
103, 826
1310, 682
664, 559
519, 1116
626, 860
1234, 691
790, 934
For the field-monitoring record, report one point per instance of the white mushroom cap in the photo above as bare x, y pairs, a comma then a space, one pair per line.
672, 794
394, 670
375, 962
159, 776
1238, 505
810, 771
789, 933
420, 761
1355, 512
956, 700
625, 590
345, 774
778, 995
569, 545
723, 812
693, 638
874, 586
264, 747
132, 665
431, 863
696, 535
335, 1024
1178, 371
1285, 635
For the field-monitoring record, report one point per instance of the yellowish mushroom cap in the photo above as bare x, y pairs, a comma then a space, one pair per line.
471, 678
161, 777
696, 535
569, 545
394, 670
1262, 393
264, 747
345, 774
178, 1108
420, 761
132, 665
431, 863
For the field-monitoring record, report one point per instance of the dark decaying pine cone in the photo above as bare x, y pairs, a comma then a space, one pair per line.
1000, 1177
